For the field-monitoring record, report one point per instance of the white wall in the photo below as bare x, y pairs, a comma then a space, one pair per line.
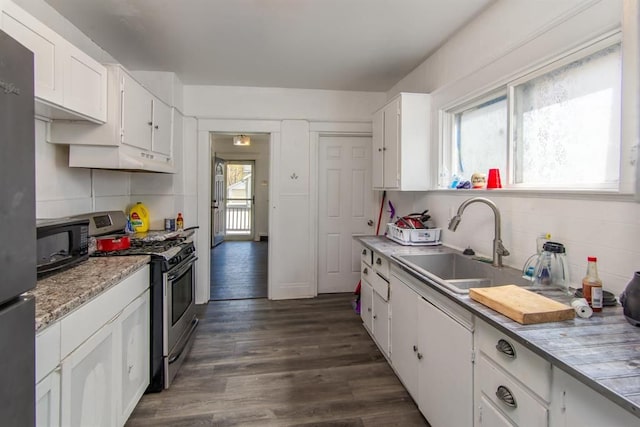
507, 38
227, 102
62, 191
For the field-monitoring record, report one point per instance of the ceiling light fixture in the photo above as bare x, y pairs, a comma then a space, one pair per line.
241, 140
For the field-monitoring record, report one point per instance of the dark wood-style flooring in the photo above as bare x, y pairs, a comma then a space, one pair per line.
281, 363
239, 270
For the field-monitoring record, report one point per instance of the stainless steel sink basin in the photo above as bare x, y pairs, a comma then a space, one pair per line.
458, 272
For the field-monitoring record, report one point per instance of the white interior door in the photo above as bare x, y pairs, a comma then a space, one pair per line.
344, 209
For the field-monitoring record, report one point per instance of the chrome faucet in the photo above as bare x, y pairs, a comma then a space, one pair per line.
498, 248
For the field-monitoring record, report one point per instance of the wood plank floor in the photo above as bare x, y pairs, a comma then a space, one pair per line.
239, 270
281, 363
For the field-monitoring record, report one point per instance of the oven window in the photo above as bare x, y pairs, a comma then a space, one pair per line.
181, 295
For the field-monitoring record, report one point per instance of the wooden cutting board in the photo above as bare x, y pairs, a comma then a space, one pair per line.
521, 305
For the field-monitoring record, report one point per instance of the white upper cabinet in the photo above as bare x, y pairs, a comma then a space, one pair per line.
69, 84
138, 133
401, 143
136, 113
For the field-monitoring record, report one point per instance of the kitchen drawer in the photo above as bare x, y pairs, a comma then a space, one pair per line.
366, 272
526, 409
381, 265
366, 255
529, 368
380, 286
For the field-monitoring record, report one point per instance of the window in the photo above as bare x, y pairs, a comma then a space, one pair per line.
557, 127
480, 135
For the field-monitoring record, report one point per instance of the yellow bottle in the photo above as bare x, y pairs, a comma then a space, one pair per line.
139, 218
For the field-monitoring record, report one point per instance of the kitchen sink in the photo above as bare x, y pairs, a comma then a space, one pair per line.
458, 272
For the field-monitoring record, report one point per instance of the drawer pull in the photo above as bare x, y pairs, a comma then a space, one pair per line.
379, 261
505, 395
365, 271
506, 348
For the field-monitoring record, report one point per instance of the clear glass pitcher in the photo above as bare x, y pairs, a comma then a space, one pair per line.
549, 268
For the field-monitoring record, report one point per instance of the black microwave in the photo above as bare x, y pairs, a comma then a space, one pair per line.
61, 243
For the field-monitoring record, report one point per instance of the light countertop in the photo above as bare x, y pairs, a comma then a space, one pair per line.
59, 294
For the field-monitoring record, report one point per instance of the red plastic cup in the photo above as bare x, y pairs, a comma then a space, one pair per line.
493, 179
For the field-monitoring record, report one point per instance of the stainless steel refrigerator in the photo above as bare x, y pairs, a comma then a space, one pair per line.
17, 235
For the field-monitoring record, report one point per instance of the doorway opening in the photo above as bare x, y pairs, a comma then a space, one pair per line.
240, 200
239, 217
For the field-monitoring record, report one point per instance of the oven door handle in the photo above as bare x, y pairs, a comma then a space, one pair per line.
186, 264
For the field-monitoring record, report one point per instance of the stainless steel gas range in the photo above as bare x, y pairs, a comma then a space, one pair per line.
172, 284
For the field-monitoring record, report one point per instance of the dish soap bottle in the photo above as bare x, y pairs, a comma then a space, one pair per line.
179, 222
592, 285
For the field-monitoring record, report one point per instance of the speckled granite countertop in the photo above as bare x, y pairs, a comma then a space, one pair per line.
603, 352
61, 293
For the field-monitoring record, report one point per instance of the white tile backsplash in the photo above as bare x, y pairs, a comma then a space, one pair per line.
606, 229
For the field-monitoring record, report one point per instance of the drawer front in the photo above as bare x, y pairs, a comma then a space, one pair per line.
380, 286
501, 389
366, 272
381, 265
529, 368
366, 255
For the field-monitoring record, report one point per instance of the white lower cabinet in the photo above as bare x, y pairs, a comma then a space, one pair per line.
575, 404
445, 384
88, 389
431, 351
381, 322
48, 400
134, 355
366, 305
92, 366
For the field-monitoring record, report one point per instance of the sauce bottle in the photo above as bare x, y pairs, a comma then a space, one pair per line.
179, 222
592, 285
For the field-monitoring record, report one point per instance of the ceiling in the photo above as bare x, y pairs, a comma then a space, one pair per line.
366, 45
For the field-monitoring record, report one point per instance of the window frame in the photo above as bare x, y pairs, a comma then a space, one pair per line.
507, 88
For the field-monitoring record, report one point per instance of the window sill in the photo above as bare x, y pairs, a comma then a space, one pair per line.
543, 193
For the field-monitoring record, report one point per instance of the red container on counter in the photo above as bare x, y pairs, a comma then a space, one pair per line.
112, 243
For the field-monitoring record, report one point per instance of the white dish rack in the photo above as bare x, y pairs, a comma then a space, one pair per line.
414, 236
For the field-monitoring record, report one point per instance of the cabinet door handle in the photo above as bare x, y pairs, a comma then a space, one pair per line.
365, 271
379, 149
506, 348
375, 316
379, 261
150, 123
415, 348
364, 252
369, 309
506, 397
419, 355
156, 127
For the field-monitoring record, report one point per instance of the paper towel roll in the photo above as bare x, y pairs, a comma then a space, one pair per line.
581, 306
